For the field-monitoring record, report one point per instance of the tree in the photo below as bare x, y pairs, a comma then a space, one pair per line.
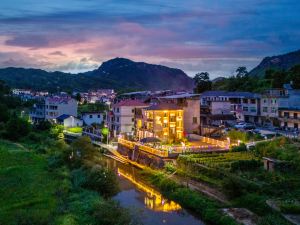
294, 76
241, 72
16, 128
78, 97
202, 82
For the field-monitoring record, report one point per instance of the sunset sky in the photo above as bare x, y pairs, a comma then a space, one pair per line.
215, 36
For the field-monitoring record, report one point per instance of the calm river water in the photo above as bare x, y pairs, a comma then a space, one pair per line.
146, 203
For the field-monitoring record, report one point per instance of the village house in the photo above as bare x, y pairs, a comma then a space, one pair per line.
49, 108
245, 106
90, 118
120, 120
69, 121
289, 118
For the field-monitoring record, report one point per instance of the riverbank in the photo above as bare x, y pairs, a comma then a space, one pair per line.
40, 186
208, 209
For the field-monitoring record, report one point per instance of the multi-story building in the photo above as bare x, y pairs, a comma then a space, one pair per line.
52, 107
273, 100
190, 103
120, 119
163, 120
245, 106
289, 118
58, 105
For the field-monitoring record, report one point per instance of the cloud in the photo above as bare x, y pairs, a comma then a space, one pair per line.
213, 36
57, 53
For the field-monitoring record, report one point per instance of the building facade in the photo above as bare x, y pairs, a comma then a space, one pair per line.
120, 120
90, 118
164, 121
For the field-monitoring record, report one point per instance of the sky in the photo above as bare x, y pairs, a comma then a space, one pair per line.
216, 36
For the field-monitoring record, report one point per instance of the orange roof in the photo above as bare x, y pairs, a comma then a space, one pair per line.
130, 102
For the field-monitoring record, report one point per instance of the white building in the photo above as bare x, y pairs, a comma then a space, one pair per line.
52, 107
90, 118
57, 106
69, 121
121, 119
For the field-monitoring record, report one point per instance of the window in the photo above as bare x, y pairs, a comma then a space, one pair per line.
286, 114
132, 119
91, 116
296, 125
132, 110
253, 101
245, 109
245, 100
265, 109
194, 120
252, 109
295, 115
98, 116
118, 109
118, 119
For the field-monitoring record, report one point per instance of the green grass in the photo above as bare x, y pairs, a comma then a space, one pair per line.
75, 129
26, 187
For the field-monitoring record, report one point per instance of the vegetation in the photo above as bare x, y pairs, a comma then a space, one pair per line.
208, 209
76, 130
272, 78
240, 175
88, 107
202, 82
46, 181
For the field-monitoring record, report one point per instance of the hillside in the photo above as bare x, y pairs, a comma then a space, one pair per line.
118, 73
279, 62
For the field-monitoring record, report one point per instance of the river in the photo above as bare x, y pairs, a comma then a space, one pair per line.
144, 202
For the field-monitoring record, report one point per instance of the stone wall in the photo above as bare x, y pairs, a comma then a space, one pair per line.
141, 157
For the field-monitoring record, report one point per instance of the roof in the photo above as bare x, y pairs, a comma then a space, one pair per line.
137, 93
59, 99
130, 102
62, 117
241, 94
164, 106
184, 95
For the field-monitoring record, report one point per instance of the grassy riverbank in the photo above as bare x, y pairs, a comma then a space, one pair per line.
41, 184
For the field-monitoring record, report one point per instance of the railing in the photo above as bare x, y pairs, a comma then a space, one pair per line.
215, 142
154, 151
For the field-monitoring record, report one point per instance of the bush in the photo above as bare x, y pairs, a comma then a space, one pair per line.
245, 165
240, 148
110, 213
43, 125
16, 128
102, 180
290, 208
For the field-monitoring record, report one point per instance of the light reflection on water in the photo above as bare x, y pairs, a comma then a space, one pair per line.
146, 203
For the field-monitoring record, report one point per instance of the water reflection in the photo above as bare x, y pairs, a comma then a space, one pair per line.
145, 202
153, 199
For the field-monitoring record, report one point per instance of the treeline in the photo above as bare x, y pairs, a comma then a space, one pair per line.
243, 81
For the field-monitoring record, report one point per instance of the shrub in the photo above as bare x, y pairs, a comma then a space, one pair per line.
245, 165
291, 208
240, 148
16, 128
102, 180
110, 213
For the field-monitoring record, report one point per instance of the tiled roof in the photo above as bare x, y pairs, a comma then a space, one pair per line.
62, 117
184, 95
230, 94
130, 102
58, 99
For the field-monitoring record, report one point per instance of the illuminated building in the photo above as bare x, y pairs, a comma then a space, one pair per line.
164, 121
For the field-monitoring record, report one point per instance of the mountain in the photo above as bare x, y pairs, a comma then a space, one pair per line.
118, 73
279, 62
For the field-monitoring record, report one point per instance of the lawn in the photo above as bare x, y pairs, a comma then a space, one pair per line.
76, 130
26, 187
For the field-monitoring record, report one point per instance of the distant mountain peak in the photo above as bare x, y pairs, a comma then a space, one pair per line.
278, 62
